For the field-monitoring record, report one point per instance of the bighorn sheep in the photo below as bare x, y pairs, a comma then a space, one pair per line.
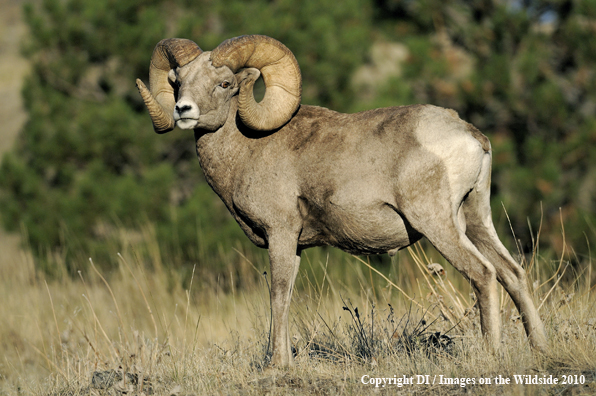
296, 176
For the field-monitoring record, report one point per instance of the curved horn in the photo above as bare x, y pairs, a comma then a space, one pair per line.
168, 54
281, 74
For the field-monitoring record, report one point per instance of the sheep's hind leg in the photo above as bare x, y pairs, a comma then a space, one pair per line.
284, 258
437, 220
482, 233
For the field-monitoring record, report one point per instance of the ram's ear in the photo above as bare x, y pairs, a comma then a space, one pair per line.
248, 75
172, 76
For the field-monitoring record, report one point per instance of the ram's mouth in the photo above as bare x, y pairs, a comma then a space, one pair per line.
188, 116
187, 123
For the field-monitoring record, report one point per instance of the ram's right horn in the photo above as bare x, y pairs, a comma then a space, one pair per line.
160, 101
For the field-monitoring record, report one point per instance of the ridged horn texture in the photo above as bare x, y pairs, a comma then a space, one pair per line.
281, 74
160, 101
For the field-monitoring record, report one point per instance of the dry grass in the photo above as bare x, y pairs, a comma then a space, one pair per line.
64, 337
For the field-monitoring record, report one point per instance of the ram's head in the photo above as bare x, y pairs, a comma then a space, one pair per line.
192, 89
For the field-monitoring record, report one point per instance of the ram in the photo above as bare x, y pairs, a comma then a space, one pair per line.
295, 176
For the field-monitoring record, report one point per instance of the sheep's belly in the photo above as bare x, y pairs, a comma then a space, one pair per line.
374, 229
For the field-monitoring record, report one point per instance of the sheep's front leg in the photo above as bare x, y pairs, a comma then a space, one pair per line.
284, 258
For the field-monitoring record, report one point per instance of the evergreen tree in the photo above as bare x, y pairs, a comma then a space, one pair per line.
522, 72
88, 164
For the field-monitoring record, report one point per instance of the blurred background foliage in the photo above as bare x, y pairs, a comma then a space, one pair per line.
88, 173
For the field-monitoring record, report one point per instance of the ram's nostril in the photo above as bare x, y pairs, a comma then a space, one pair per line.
183, 108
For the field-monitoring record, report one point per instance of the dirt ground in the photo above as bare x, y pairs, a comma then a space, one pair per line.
13, 69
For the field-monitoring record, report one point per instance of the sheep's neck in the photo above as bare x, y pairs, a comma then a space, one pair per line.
220, 153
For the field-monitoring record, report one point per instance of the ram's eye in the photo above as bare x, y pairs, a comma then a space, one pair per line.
225, 84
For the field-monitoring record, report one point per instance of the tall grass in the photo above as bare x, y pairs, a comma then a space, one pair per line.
143, 328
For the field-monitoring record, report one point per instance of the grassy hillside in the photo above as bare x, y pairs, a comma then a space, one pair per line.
90, 336
13, 68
